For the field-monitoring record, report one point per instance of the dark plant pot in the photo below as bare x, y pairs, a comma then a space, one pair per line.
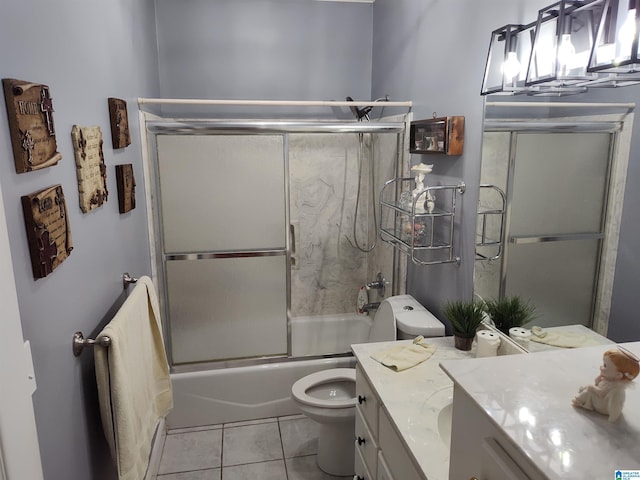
462, 343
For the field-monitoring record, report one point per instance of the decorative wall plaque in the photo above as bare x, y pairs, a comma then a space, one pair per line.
48, 230
33, 136
90, 168
126, 187
119, 123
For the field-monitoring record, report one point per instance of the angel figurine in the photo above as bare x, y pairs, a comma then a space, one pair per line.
607, 395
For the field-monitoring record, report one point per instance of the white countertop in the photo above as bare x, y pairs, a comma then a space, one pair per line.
529, 398
413, 399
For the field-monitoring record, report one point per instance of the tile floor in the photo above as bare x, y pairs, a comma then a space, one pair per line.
282, 448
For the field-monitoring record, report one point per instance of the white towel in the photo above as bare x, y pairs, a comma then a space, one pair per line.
561, 339
401, 357
134, 387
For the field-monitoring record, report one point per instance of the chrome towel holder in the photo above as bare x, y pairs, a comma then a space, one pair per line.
79, 342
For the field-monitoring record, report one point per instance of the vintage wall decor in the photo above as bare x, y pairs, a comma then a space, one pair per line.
48, 229
90, 168
120, 137
33, 135
126, 187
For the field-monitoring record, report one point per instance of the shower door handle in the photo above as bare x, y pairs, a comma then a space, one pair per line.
293, 230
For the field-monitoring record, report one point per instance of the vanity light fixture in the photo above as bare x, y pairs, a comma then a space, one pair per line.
615, 51
565, 33
573, 45
509, 52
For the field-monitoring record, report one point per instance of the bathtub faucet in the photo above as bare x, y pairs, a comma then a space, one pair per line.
379, 284
369, 306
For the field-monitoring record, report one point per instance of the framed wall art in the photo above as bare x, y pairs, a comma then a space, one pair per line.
33, 135
126, 187
90, 168
48, 229
120, 137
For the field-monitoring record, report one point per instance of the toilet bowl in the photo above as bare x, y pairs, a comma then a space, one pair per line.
329, 396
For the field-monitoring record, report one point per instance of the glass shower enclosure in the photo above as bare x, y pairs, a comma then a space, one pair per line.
257, 232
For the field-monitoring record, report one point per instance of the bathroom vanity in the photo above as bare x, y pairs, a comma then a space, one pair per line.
403, 419
513, 419
504, 418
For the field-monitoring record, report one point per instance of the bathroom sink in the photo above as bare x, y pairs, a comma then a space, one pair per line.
436, 411
444, 424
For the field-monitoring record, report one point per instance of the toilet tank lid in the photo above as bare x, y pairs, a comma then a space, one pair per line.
421, 322
414, 319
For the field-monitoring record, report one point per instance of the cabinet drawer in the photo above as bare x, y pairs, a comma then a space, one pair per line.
366, 444
393, 450
367, 401
361, 470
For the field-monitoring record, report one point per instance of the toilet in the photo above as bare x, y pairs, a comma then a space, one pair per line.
329, 396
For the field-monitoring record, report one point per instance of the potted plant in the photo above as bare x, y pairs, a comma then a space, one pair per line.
465, 317
510, 312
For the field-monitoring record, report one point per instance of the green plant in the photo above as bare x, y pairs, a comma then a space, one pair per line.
465, 317
510, 312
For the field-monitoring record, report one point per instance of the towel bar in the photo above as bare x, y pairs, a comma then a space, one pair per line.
79, 342
128, 279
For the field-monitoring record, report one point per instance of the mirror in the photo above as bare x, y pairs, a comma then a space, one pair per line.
550, 206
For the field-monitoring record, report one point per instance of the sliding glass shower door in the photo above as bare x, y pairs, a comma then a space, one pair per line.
224, 245
557, 190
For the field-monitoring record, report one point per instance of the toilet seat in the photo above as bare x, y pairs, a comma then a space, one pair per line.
299, 389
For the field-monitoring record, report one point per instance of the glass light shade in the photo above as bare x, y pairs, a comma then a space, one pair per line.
616, 45
509, 52
565, 33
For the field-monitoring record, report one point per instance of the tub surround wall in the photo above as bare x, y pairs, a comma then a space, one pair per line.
324, 184
324, 173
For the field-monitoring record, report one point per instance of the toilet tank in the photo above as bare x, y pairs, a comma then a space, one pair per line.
403, 317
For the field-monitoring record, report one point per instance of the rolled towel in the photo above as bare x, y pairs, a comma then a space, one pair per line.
402, 357
561, 339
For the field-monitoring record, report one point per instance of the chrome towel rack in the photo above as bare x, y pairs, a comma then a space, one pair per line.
79, 342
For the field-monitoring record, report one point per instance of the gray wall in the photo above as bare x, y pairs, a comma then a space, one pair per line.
264, 49
433, 52
86, 52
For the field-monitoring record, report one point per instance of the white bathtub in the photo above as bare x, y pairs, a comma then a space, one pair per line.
241, 393
244, 393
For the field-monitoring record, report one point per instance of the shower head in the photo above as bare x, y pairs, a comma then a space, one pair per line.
361, 113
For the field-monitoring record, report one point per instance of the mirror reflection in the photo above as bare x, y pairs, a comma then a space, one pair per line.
550, 204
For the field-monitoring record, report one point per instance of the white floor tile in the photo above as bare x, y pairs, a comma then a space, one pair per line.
191, 451
250, 444
274, 470
306, 468
299, 437
209, 474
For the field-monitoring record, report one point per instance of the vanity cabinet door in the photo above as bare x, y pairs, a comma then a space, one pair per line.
497, 464
383, 469
367, 401
480, 450
394, 452
366, 444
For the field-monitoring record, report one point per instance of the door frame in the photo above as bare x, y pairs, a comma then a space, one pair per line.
19, 448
